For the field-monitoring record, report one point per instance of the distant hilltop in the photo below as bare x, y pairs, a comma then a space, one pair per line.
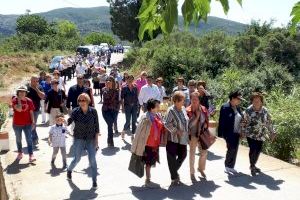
98, 19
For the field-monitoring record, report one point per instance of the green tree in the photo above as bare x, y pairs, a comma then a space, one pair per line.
67, 29
124, 21
96, 38
296, 17
32, 24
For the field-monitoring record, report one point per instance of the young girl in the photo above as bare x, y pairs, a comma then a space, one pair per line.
57, 137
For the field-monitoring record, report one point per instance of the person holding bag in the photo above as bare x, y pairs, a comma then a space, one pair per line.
148, 139
198, 121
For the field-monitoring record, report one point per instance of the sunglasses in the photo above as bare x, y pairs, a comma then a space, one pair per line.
82, 100
79, 78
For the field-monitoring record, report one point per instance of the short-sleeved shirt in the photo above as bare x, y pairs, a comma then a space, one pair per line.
22, 118
58, 135
130, 96
33, 95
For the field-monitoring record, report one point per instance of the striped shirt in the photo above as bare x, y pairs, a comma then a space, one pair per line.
86, 124
177, 120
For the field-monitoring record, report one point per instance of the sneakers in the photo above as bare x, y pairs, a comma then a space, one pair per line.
95, 186
69, 175
176, 182
31, 158
255, 171
20, 156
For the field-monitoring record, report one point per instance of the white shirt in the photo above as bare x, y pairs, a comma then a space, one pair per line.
149, 92
58, 135
80, 69
61, 83
162, 91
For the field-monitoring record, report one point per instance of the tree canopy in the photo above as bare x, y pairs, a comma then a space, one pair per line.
32, 24
96, 38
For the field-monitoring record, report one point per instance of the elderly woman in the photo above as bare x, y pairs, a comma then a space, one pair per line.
86, 134
198, 116
23, 120
148, 138
176, 122
110, 107
257, 127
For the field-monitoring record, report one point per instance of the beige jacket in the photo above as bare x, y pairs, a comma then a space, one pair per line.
141, 135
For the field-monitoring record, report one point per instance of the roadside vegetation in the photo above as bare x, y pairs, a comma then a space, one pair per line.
262, 58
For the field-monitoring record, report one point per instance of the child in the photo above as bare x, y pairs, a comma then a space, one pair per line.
57, 137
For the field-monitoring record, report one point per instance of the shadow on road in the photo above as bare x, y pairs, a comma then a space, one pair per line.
110, 151
81, 194
201, 188
245, 181
54, 171
15, 167
212, 156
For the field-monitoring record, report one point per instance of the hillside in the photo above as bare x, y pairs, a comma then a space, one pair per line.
98, 19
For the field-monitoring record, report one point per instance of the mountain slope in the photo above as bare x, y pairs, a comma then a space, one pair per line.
98, 19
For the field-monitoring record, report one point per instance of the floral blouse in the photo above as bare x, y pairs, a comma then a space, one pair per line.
257, 125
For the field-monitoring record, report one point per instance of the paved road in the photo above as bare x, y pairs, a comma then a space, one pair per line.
279, 180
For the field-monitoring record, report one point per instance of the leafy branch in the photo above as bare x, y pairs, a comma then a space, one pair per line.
163, 14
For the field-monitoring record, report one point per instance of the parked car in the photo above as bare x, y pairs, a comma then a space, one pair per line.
84, 50
55, 63
119, 48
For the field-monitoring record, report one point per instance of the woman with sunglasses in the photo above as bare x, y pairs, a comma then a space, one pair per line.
229, 128
86, 134
54, 101
61, 84
110, 107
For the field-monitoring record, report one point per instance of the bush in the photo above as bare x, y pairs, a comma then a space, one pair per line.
3, 113
285, 111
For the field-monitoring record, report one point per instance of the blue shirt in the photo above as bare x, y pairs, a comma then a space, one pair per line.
46, 87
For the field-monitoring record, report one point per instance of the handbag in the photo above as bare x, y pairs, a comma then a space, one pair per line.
136, 165
63, 107
206, 139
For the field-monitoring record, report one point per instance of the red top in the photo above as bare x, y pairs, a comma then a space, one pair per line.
156, 130
22, 118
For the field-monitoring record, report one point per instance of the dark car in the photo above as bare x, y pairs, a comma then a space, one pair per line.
84, 51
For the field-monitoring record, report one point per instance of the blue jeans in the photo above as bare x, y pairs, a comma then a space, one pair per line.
109, 117
79, 146
34, 134
18, 131
130, 112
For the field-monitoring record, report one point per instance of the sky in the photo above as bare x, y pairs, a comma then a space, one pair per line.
263, 10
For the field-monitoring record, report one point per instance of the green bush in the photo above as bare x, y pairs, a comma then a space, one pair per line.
285, 111
3, 113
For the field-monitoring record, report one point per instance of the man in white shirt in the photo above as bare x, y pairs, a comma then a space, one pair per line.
148, 91
81, 68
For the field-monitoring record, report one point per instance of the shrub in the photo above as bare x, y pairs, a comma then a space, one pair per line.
3, 113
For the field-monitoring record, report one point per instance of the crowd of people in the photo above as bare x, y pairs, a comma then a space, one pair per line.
153, 118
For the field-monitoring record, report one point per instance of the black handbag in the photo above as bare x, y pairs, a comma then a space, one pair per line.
137, 165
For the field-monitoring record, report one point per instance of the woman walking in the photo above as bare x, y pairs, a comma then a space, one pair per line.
23, 120
229, 128
86, 134
110, 107
148, 139
198, 120
176, 122
257, 127
54, 101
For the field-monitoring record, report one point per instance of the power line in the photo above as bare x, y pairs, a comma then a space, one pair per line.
71, 3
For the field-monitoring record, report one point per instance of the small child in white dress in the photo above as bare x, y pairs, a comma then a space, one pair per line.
57, 137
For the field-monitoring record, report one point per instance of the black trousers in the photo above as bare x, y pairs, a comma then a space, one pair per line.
255, 150
232, 149
176, 154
